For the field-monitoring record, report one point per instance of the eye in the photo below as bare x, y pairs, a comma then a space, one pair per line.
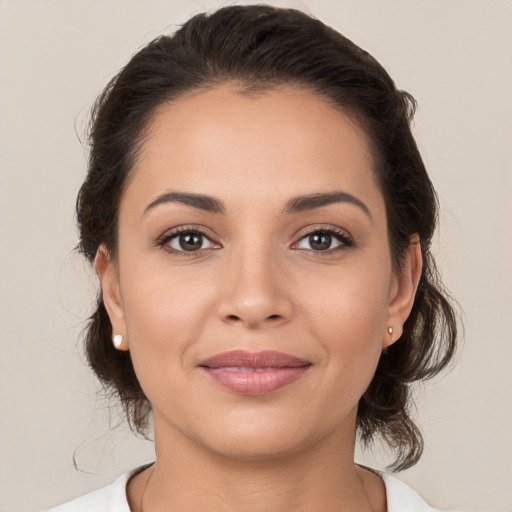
325, 240
186, 240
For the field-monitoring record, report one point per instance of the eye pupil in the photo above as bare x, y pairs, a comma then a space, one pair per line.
190, 241
320, 241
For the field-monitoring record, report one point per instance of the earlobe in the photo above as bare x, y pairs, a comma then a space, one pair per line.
404, 291
108, 273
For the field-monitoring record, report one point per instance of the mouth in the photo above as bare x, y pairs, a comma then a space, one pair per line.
254, 373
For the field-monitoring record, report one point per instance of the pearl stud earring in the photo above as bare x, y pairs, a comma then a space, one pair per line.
118, 340
390, 330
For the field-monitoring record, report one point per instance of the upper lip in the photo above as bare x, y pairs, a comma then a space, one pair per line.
263, 359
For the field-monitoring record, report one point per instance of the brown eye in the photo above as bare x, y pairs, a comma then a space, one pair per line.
320, 241
325, 240
190, 241
185, 241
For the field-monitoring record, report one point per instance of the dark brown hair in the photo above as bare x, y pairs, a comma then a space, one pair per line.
260, 47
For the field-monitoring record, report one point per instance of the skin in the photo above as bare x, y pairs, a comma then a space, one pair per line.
255, 284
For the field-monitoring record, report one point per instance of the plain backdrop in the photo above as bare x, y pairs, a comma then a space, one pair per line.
56, 56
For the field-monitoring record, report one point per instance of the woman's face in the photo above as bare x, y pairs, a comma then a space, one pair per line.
253, 223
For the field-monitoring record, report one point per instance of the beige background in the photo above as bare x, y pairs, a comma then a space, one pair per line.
55, 56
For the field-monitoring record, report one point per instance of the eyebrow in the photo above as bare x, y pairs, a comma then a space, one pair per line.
294, 205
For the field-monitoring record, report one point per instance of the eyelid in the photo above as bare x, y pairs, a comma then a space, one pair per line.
339, 234
342, 236
170, 234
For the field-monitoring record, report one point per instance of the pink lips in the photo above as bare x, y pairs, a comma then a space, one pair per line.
254, 373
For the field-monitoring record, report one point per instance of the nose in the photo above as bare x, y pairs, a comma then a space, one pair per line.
254, 291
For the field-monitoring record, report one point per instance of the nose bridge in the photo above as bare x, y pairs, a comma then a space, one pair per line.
253, 291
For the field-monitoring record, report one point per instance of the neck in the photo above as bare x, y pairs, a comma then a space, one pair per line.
320, 477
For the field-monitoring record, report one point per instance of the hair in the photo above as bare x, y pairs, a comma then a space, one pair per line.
262, 47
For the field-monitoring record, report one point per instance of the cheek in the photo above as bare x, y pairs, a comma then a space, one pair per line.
351, 302
165, 314
347, 317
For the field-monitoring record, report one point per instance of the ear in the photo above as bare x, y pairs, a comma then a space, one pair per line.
108, 273
403, 291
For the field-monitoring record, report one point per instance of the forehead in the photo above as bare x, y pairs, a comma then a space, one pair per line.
267, 145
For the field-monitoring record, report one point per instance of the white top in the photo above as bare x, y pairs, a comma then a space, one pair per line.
400, 498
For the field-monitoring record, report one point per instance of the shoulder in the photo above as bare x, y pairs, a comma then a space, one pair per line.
401, 497
111, 498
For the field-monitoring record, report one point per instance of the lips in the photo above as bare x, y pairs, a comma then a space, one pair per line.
254, 373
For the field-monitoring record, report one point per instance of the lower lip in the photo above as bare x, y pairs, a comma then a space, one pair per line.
254, 383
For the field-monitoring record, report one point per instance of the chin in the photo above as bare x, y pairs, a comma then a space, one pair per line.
261, 440
260, 449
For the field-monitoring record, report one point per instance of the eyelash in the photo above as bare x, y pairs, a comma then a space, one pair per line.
341, 236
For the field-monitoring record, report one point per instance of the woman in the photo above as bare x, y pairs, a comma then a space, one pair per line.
260, 220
